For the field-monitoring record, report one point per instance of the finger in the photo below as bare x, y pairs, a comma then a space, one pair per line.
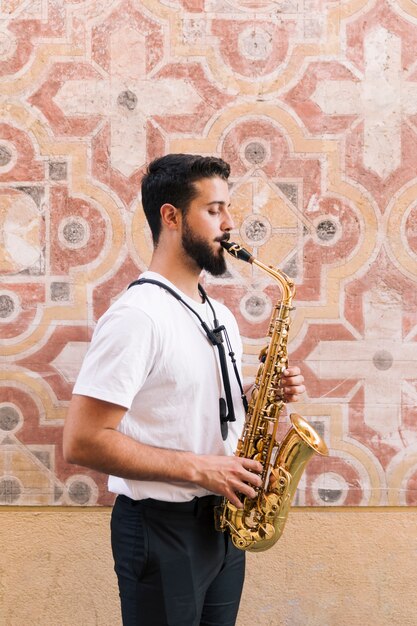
248, 474
232, 497
252, 479
251, 465
293, 397
242, 490
247, 490
293, 381
292, 370
294, 389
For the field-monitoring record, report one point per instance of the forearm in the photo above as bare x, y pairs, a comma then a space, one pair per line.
116, 454
112, 452
91, 439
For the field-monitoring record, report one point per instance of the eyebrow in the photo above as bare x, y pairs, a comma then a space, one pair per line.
221, 202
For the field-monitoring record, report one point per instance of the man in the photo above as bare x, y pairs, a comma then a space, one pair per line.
146, 410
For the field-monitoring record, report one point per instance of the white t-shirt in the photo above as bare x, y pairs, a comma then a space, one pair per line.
150, 354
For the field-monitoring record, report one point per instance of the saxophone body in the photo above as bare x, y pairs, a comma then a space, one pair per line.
260, 523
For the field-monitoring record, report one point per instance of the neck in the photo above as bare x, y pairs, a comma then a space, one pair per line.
180, 274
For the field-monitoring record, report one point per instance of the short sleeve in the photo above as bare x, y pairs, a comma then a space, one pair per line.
120, 357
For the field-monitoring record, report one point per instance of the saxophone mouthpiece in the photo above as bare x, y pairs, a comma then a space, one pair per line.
237, 251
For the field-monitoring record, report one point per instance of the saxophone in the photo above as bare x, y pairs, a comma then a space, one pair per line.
260, 523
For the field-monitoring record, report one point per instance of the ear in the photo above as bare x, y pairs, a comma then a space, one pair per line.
170, 216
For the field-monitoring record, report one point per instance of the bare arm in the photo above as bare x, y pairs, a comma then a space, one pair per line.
91, 440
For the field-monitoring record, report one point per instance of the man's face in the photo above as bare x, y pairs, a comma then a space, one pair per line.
206, 223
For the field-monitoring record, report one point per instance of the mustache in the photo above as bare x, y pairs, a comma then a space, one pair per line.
224, 237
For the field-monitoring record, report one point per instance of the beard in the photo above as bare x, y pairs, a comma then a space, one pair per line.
200, 251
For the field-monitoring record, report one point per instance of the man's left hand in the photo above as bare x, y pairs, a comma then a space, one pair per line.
292, 384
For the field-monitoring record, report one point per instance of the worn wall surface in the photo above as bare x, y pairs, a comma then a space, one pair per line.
314, 105
338, 567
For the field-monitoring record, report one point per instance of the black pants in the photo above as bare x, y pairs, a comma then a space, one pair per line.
173, 567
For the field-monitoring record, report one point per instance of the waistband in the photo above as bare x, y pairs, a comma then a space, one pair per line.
193, 507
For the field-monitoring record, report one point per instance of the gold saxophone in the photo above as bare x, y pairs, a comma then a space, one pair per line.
260, 523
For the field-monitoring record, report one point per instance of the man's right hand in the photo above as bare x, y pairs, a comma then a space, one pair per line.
228, 476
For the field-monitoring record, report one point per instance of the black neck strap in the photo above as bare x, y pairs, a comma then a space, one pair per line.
216, 339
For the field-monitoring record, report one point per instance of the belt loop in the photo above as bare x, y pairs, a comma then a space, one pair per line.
196, 511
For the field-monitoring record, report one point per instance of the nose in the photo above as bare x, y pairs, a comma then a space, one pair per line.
227, 223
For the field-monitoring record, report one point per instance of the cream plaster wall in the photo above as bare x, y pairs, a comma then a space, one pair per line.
333, 567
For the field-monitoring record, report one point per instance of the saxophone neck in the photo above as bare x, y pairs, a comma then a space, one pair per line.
287, 285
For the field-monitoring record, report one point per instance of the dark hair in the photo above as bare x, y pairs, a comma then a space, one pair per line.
170, 179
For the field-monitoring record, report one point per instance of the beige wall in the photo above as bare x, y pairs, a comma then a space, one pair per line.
332, 567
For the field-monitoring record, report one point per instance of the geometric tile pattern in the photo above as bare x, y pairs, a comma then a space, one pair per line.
314, 103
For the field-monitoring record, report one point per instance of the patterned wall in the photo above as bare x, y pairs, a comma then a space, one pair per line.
314, 103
